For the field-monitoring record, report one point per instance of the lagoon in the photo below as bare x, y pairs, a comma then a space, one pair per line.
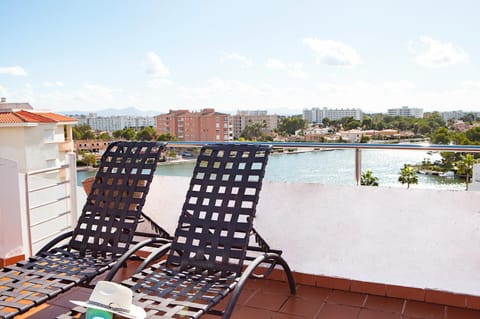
333, 167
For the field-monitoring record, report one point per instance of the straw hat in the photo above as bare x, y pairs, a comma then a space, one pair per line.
114, 298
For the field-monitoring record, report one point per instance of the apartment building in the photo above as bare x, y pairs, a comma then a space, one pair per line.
244, 118
46, 137
205, 125
406, 112
455, 115
115, 123
316, 115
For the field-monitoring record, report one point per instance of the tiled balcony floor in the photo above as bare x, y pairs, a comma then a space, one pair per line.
263, 299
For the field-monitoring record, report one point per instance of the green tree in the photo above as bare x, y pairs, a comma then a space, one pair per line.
473, 134
441, 136
408, 176
128, 133
465, 166
253, 131
82, 132
104, 136
166, 137
325, 121
146, 134
89, 159
367, 179
290, 124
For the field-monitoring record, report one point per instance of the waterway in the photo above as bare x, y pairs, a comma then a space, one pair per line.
333, 167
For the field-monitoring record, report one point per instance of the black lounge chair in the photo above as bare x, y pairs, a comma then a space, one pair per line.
104, 232
207, 259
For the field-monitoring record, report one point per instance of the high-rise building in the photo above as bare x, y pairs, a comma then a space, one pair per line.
316, 115
406, 112
455, 115
115, 123
206, 125
243, 118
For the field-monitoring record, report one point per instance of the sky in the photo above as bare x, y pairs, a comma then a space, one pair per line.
275, 55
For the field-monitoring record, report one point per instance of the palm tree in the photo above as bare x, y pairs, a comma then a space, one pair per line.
408, 176
466, 165
367, 179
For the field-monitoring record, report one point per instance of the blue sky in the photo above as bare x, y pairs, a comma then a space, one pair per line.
281, 56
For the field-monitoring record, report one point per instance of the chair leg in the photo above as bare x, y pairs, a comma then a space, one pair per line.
246, 275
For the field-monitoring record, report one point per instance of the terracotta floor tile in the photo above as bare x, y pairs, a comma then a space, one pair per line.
346, 298
424, 310
276, 287
301, 307
77, 293
460, 313
277, 315
46, 312
255, 284
313, 293
376, 314
333, 311
244, 312
384, 304
271, 302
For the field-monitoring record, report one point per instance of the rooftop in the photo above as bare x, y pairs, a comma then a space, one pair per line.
383, 253
262, 299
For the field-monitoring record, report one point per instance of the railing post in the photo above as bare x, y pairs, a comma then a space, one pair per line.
72, 177
358, 165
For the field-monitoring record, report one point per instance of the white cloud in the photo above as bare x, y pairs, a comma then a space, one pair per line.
13, 70
332, 52
3, 91
233, 56
399, 85
49, 84
434, 53
93, 91
471, 85
159, 83
155, 66
273, 63
294, 70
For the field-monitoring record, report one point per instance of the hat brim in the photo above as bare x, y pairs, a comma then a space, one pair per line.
135, 312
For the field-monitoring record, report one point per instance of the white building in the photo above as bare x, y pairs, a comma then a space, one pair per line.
455, 115
406, 112
46, 136
316, 115
115, 123
244, 118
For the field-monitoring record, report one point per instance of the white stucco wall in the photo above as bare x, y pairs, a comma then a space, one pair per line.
10, 211
416, 238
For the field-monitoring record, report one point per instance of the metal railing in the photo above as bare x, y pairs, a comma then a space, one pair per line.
358, 147
66, 195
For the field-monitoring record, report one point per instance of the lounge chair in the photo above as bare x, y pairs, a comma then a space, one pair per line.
104, 231
207, 259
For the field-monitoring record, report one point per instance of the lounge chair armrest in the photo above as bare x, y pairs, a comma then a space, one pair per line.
122, 260
272, 257
154, 255
55, 241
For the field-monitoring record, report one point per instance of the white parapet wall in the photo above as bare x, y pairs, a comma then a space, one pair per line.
416, 238
11, 241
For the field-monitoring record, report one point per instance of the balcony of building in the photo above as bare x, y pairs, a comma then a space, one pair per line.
356, 252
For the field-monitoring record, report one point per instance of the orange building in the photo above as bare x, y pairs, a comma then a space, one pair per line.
206, 125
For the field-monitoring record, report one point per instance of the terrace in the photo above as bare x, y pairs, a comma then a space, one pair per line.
362, 252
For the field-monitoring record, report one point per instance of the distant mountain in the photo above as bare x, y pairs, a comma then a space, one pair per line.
132, 111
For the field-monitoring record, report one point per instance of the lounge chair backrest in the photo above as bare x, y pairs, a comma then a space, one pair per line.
217, 216
114, 204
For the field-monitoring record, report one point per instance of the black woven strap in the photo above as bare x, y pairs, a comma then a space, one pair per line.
217, 216
114, 205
